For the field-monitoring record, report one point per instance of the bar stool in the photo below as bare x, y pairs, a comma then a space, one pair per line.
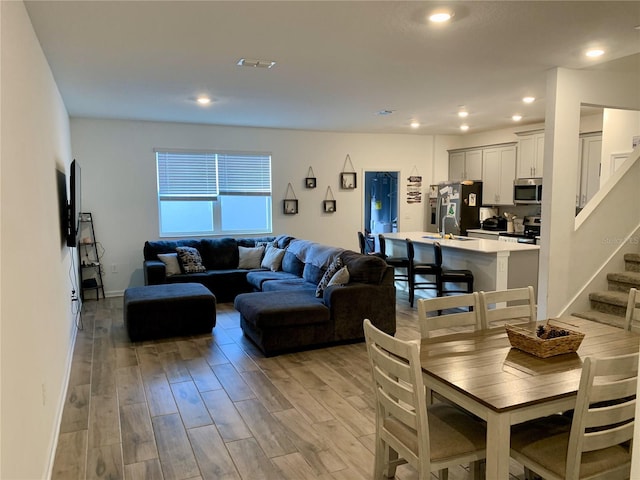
422, 269
364, 249
451, 276
395, 262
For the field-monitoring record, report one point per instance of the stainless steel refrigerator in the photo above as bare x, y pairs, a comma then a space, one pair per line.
459, 206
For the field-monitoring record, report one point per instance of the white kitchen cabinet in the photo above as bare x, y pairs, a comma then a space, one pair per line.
498, 173
589, 169
530, 154
465, 165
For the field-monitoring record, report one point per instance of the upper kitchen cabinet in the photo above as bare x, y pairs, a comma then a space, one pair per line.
498, 173
530, 154
465, 164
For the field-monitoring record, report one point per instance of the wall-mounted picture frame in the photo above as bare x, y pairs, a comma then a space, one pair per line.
348, 180
290, 206
329, 206
310, 182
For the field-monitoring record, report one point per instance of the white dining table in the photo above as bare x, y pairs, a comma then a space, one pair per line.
483, 374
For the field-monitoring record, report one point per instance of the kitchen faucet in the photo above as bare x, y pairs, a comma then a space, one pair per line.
444, 219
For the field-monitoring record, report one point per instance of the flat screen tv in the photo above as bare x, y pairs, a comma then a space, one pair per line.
74, 205
63, 206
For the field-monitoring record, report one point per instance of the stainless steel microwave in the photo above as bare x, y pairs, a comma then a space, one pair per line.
527, 190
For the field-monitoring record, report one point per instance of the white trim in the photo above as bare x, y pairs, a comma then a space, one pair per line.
61, 403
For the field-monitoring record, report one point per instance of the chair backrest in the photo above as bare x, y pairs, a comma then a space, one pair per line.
632, 318
605, 409
399, 392
436, 321
514, 305
362, 243
411, 250
383, 245
437, 254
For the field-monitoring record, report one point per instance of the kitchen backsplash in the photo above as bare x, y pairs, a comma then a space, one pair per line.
520, 210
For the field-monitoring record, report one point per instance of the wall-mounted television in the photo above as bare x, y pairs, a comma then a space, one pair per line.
74, 205
63, 206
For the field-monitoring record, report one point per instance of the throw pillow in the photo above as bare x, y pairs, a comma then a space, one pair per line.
171, 263
272, 258
190, 260
250, 257
341, 277
328, 274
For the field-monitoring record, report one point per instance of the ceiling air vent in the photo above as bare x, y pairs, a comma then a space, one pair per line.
247, 62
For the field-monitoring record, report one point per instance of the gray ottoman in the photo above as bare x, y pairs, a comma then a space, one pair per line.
169, 310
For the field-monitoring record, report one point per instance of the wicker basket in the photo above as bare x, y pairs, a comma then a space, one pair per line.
526, 340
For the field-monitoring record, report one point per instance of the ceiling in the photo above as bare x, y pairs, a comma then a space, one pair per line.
338, 62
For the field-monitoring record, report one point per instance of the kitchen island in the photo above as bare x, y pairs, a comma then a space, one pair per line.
495, 265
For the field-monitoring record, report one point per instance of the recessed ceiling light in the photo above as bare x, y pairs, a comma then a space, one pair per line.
415, 124
247, 62
440, 16
463, 114
529, 99
464, 128
203, 100
516, 118
594, 52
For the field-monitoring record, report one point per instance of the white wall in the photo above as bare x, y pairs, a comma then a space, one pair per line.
570, 256
119, 180
619, 128
37, 329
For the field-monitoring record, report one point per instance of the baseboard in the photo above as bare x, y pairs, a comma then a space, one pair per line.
63, 397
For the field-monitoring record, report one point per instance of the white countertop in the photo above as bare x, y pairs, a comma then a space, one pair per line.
478, 245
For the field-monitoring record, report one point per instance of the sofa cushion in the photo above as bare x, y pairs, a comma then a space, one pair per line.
297, 284
328, 275
190, 260
364, 268
341, 277
219, 253
319, 255
312, 274
272, 258
257, 278
153, 248
292, 264
172, 265
250, 257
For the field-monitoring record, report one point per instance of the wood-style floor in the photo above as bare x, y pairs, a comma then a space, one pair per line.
212, 407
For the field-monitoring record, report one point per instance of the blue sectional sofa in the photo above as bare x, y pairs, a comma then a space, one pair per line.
283, 310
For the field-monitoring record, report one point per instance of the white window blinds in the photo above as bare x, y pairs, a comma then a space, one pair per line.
189, 175
244, 174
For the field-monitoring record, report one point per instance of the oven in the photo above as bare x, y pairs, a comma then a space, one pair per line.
530, 235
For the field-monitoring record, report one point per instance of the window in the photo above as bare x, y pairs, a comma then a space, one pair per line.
209, 193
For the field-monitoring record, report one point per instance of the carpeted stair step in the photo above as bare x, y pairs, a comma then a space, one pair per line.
632, 262
601, 317
623, 281
611, 302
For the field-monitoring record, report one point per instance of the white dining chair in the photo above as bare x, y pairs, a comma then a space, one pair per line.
514, 305
595, 444
430, 438
632, 318
460, 312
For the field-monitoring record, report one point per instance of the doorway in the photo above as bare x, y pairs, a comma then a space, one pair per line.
380, 202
